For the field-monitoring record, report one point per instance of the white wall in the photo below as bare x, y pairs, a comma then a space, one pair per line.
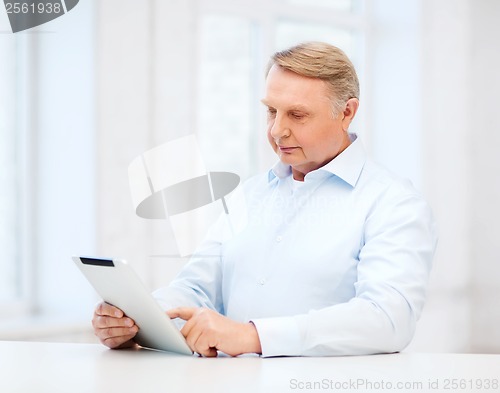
445, 29
460, 130
482, 140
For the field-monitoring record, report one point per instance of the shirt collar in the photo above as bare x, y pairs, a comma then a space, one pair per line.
347, 165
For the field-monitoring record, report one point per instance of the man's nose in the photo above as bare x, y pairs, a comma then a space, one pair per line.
280, 128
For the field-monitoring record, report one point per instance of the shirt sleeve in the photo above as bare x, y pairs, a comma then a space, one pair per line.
393, 270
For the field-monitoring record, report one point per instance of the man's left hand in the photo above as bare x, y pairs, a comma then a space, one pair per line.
207, 331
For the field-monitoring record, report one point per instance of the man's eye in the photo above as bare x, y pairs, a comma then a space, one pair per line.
297, 116
271, 111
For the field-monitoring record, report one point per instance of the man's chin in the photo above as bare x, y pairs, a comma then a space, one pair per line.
288, 159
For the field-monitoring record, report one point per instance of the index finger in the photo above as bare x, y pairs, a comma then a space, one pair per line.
182, 312
106, 309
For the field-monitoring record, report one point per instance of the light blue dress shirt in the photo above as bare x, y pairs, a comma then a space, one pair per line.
335, 265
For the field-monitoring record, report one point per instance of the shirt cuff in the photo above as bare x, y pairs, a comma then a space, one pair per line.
279, 336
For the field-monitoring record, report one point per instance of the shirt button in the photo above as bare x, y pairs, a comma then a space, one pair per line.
262, 281
279, 238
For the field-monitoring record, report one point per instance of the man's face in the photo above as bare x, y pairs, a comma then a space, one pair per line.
300, 124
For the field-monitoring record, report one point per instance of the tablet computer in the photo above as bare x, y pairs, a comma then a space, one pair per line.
119, 285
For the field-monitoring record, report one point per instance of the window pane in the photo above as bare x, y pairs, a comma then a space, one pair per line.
226, 94
290, 33
9, 209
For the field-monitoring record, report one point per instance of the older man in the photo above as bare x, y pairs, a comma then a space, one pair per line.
335, 252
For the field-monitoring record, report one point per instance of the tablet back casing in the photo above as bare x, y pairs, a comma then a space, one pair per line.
120, 286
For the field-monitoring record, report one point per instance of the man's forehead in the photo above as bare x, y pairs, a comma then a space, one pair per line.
299, 100
273, 103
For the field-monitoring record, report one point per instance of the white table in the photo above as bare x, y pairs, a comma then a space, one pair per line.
73, 368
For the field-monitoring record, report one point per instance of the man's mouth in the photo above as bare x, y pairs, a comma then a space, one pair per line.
287, 149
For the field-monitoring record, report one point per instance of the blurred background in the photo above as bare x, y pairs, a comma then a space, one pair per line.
82, 96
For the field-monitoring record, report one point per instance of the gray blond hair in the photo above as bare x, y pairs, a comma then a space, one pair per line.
323, 61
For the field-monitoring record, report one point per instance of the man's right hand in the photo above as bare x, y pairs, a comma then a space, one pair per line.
113, 328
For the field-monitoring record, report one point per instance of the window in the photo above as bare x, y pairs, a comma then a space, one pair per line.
9, 232
290, 32
235, 42
226, 93
50, 154
12, 157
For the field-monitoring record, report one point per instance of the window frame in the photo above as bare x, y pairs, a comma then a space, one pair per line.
23, 303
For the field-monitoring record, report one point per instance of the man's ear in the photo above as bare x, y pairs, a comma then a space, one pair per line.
351, 107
